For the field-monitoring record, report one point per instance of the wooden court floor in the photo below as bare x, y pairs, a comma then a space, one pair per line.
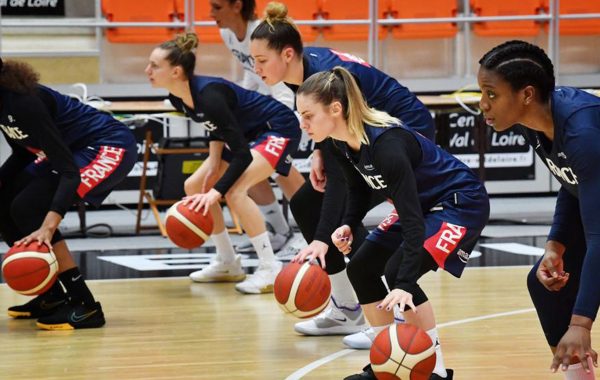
172, 329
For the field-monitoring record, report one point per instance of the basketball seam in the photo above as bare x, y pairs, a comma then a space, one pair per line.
177, 215
291, 301
52, 267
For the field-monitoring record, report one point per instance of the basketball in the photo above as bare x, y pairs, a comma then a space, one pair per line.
302, 290
30, 269
402, 352
187, 228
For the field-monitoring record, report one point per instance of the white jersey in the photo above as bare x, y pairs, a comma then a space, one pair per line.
251, 81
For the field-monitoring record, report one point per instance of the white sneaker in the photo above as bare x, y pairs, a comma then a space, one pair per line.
218, 271
362, 340
292, 248
335, 320
262, 280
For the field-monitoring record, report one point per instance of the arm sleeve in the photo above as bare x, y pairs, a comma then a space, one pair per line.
357, 192
565, 212
34, 114
15, 163
396, 153
334, 199
584, 156
218, 102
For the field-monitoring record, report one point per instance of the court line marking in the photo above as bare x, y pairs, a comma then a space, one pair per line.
298, 374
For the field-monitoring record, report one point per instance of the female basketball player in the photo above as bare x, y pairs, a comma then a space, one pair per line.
260, 134
441, 204
563, 126
277, 49
237, 20
63, 151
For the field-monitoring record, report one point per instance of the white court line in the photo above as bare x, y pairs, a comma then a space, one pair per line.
308, 368
489, 316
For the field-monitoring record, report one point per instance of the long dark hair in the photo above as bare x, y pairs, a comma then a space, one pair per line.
182, 52
248, 9
18, 77
278, 29
522, 64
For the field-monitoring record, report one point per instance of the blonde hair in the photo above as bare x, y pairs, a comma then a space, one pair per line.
182, 52
277, 12
278, 29
339, 85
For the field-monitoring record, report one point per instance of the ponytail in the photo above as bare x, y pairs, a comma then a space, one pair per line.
339, 85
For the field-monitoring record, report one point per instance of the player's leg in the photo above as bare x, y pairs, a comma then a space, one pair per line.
554, 309
262, 193
261, 281
55, 297
226, 265
28, 210
280, 231
82, 310
343, 315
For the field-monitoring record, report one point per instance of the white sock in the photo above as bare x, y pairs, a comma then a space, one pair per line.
274, 216
576, 372
379, 329
224, 247
262, 246
439, 369
341, 290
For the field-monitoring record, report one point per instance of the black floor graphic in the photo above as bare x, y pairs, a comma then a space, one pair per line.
131, 263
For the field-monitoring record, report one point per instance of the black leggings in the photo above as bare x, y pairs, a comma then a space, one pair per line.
306, 206
373, 260
24, 203
554, 309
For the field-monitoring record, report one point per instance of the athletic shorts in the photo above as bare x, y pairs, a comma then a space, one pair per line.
102, 167
452, 229
275, 148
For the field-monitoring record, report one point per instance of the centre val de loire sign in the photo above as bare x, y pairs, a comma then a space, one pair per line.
32, 7
508, 155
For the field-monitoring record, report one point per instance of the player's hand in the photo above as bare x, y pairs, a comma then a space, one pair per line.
576, 343
43, 235
212, 174
550, 272
316, 249
317, 176
397, 296
342, 239
204, 201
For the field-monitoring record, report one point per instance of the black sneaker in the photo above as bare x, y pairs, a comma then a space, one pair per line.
41, 306
70, 317
367, 374
449, 371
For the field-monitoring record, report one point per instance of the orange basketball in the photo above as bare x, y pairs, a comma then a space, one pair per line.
30, 269
302, 290
402, 352
187, 228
